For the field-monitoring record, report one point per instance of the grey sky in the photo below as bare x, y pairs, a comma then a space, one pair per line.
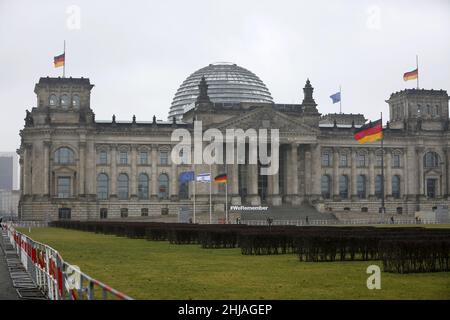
137, 53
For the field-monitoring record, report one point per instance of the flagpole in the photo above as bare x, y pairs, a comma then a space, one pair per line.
340, 100
194, 198
383, 209
210, 196
417, 68
226, 201
64, 65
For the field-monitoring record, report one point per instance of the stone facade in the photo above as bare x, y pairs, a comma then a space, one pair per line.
74, 166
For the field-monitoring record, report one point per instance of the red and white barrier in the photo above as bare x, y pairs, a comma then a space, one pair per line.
57, 279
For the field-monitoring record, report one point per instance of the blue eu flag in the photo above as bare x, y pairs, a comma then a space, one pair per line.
187, 176
336, 97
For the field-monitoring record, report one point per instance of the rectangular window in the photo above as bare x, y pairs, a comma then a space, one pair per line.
396, 161
164, 157
123, 157
63, 186
143, 158
378, 160
344, 160
103, 213
326, 159
361, 160
123, 212
103, 157
144, 212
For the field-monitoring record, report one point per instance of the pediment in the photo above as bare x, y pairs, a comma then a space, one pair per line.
267, 118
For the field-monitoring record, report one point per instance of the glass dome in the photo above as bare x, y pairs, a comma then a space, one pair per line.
227, 83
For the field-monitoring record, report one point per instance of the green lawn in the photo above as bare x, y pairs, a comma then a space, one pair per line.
158, 270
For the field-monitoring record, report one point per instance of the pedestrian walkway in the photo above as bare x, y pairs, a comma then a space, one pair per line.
7, 291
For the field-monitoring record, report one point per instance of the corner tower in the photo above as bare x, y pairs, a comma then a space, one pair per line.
62, 101
414, 109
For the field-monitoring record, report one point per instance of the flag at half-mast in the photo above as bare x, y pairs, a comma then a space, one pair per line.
411, 75
221, 178
370, 132
59, 61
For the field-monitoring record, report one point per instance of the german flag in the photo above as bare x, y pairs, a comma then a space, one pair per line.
370, 132
221, 178
58, 61
411, 75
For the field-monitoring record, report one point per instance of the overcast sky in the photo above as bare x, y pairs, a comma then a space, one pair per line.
137, 53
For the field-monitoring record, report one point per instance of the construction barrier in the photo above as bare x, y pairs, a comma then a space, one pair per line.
57, 279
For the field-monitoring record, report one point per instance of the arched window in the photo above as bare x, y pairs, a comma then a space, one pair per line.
396, 187
143, 186
343, 187
76, 101
64, 155
122, 186
326, 187
431, 160
163, 182
65, 101
361, 186
378, 186
102, 186
52, 100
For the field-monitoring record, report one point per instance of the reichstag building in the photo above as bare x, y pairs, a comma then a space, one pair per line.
74, 166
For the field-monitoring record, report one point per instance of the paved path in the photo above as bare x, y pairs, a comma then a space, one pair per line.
7, 291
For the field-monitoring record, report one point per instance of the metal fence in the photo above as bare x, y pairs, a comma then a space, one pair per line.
56, 278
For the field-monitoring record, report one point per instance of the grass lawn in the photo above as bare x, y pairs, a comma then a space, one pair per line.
158, 270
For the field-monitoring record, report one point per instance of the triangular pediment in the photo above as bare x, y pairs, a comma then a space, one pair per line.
268, 118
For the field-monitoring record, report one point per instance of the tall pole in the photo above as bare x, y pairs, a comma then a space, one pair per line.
417, 67
226, 201
194, 197
382, 170
210, 192
340, 100
64, 65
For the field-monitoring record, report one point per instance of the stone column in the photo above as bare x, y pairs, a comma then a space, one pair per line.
174, 181
292, 177
27, 160
154, 176
388, 176
354, 195
81, 168
252, 185
308, 173
235, 197
113, 178
22, 192
421, 173
134, 173
447, 165
316, 171
273, 189
47, 146
91, 171
371, 175
411, 172
336, 174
